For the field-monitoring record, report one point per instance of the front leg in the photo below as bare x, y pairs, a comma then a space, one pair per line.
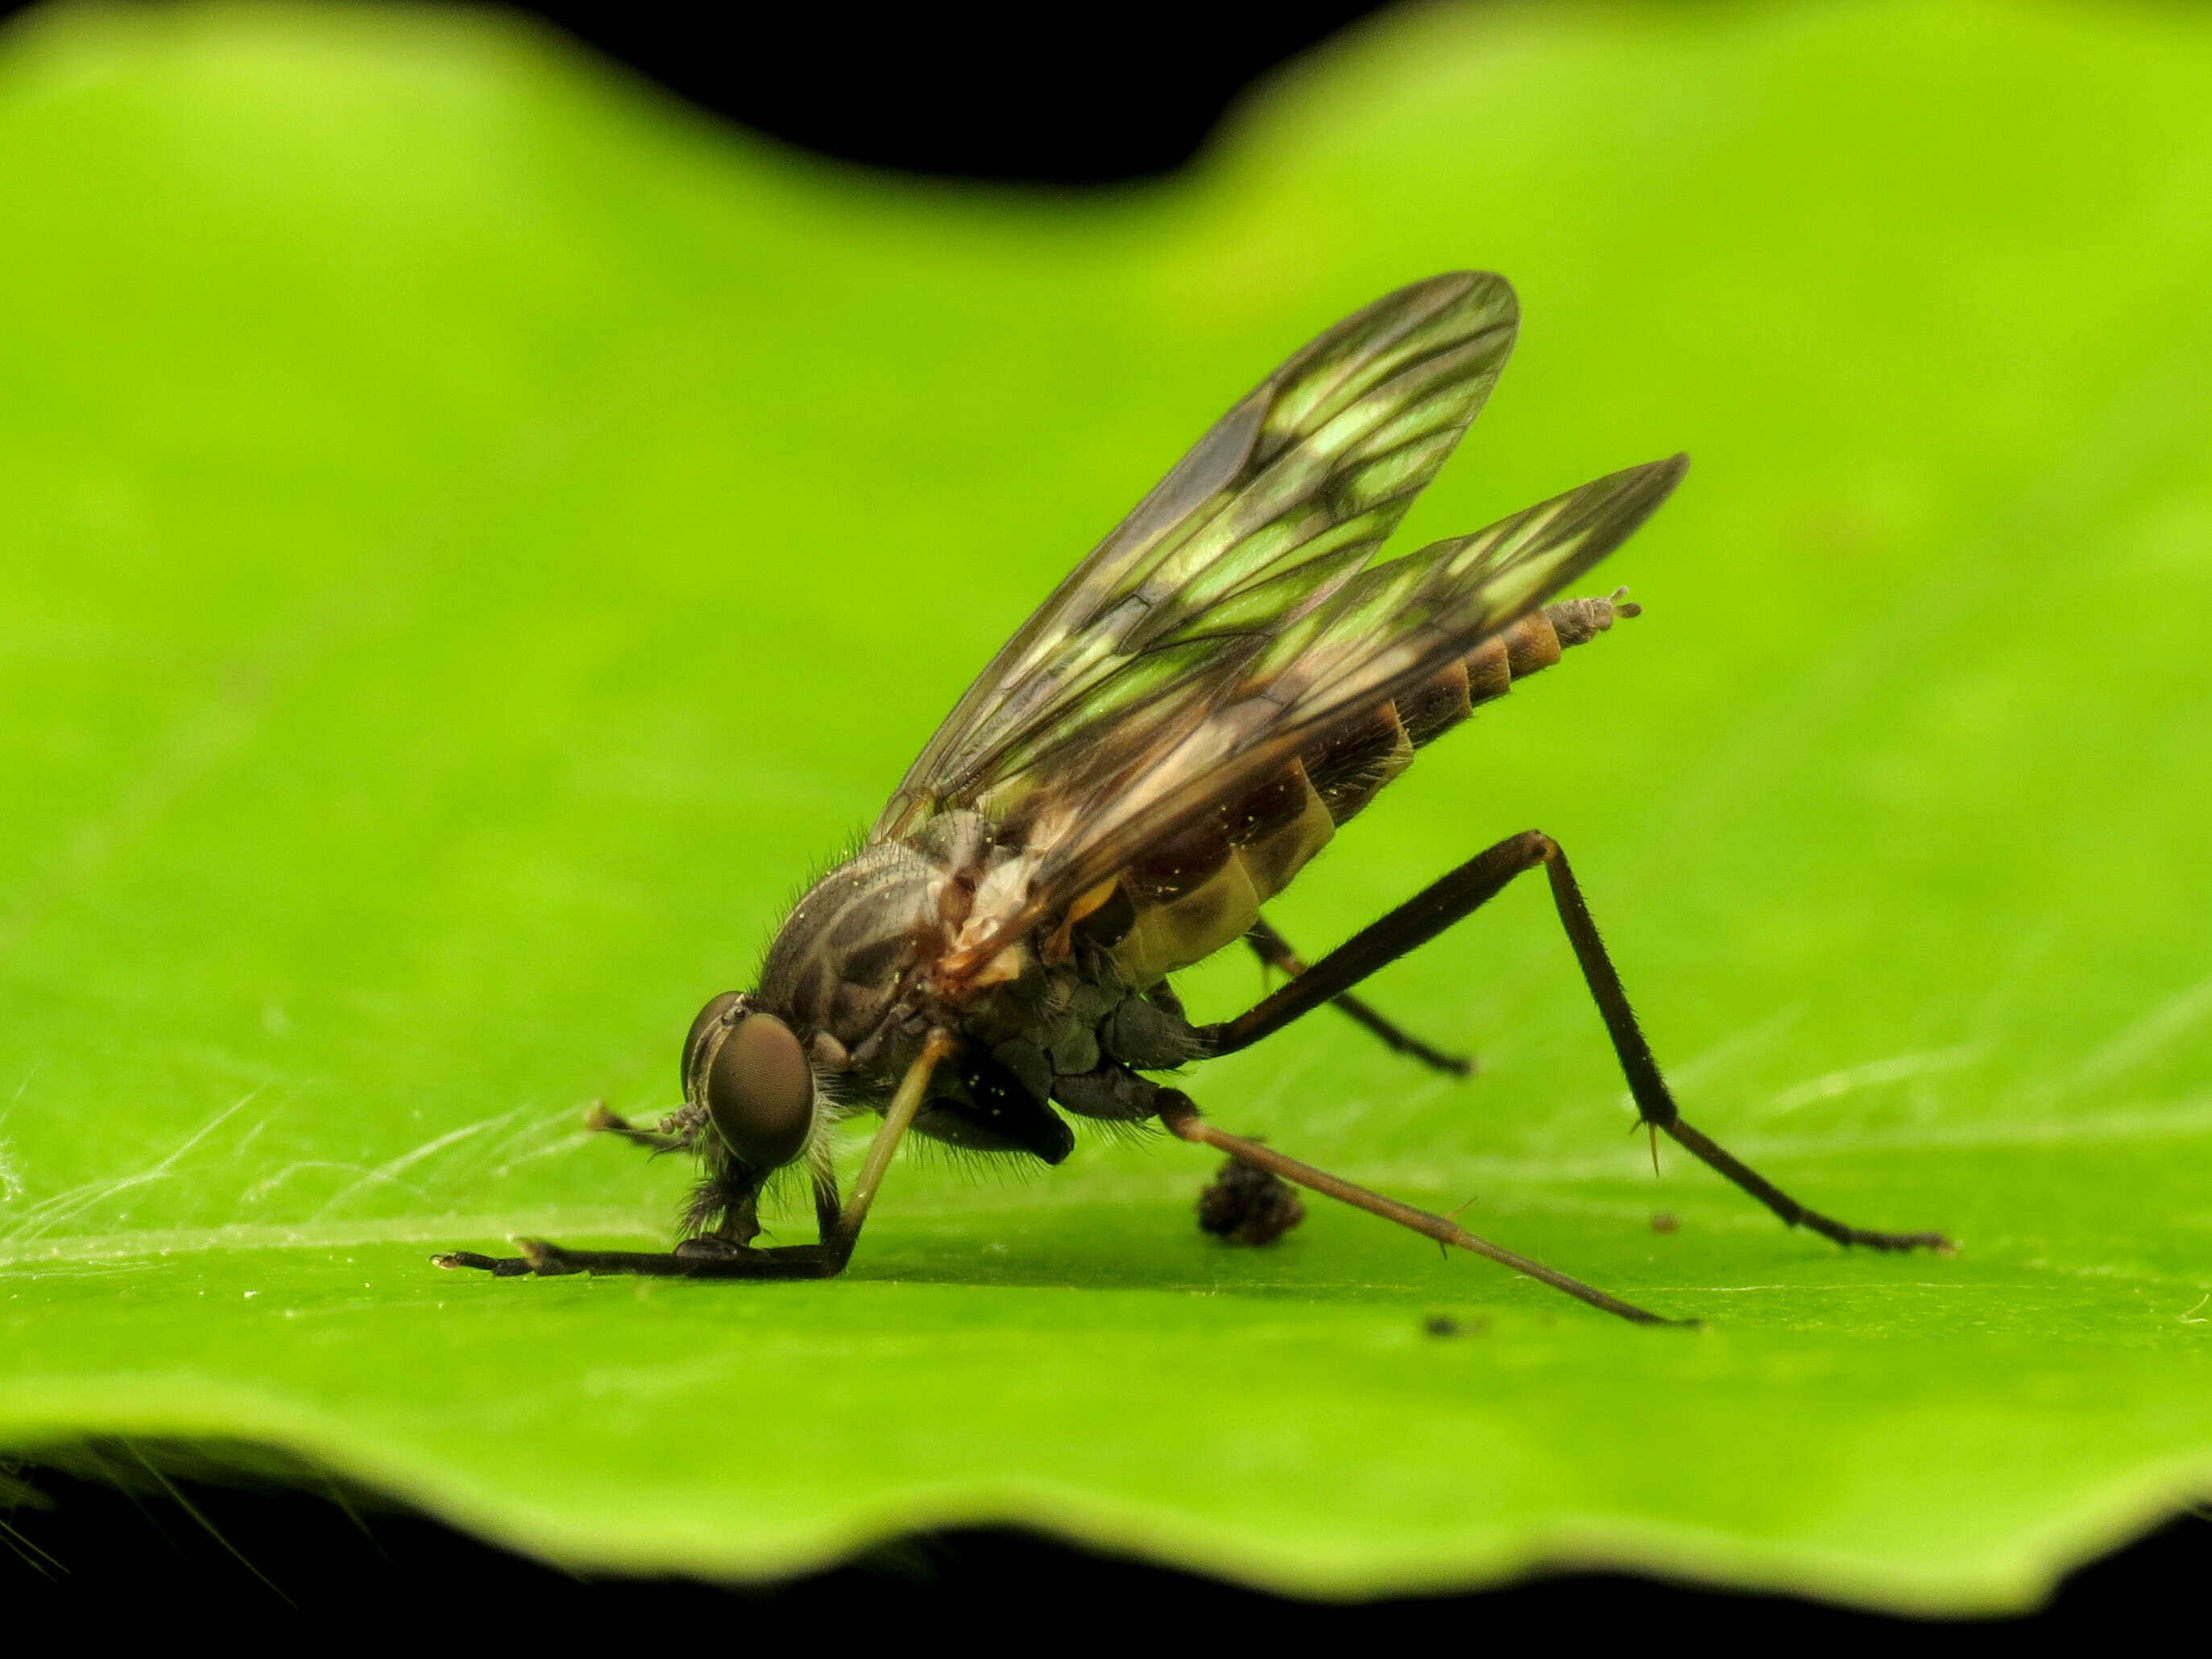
715, 1257
695, 1258
679, 1131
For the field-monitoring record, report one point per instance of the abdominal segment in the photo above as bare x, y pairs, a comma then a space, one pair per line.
1201, 889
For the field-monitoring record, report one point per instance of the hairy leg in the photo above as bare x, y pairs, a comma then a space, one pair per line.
1183, 1119
1466, 891
1275, 951
724, 1258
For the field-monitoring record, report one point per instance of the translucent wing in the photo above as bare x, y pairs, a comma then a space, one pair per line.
1262, 524
1182, 746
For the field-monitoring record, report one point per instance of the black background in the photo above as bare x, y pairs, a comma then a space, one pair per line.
187, 1551
1070, 95
1077, 96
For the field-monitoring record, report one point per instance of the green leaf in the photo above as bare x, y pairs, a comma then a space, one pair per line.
477, 537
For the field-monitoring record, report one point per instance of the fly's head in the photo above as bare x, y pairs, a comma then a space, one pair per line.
747, 1069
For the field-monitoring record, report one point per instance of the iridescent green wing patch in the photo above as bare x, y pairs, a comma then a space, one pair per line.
1397, 624
1286, 499
1383, 632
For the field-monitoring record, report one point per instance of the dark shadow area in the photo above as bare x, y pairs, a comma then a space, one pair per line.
185, 1547
1080, 94
1072, 95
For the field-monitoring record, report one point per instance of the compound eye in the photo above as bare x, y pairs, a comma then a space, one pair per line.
760, 1092
709, 1017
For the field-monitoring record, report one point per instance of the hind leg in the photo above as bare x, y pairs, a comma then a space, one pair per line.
1466, 891
1275, 951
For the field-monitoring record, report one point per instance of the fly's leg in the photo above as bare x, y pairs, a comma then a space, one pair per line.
725, 1258
1467, 889
1183, 1119
607, 1122
1275, 951
499, 1266
695, 1258
728, 1197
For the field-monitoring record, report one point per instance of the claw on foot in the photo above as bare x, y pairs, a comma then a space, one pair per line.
498, 1267
535, 1256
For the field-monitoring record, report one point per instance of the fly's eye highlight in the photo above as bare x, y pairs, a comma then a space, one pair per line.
760, 1091
694, 1044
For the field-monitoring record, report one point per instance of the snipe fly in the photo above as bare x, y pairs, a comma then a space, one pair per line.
1230, 678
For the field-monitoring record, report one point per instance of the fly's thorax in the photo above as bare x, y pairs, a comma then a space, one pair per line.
849, 945
847, 966
1075, 1018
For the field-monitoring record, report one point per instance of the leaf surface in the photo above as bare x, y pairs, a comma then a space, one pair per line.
478, 537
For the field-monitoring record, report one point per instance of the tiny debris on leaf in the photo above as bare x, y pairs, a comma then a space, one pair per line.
1445, 1325
1248, 1206
1662, 1221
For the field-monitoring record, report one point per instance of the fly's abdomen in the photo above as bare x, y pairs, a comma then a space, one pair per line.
1199, 890
1188, 896
1350, 769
